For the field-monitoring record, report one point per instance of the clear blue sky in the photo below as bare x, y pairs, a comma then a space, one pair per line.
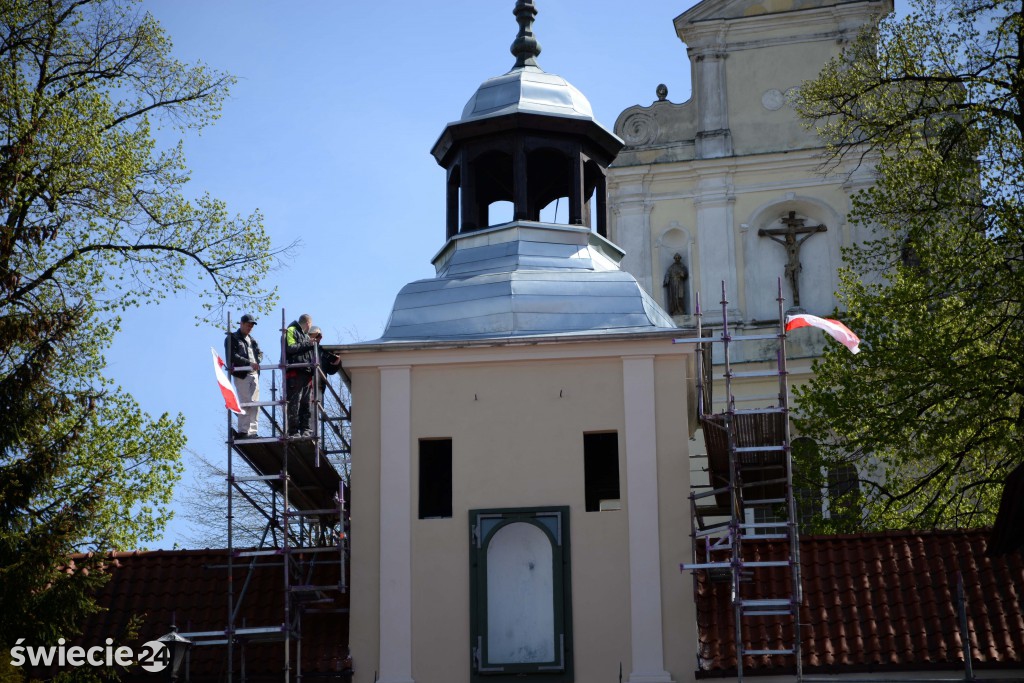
328, 133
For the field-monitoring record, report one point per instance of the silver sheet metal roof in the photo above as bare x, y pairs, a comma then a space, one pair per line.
524, 279
527, 89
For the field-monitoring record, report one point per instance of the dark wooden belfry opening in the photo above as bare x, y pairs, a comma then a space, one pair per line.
530, 172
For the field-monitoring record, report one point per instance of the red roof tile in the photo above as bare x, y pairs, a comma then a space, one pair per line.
874, 602
188, 588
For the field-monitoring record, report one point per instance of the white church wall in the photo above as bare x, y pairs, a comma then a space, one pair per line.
746, 62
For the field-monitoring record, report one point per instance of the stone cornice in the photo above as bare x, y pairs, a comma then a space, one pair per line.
562, 347
801, 25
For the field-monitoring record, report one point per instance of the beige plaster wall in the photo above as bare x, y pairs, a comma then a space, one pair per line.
517, 441
517, 433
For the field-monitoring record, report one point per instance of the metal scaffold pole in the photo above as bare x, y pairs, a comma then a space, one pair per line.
229, 632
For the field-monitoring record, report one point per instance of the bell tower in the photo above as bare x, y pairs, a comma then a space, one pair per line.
515, 420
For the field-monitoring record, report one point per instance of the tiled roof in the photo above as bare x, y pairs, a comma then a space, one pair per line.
188, 588
875, 602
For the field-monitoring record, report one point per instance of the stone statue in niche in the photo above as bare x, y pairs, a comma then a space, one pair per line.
676, 276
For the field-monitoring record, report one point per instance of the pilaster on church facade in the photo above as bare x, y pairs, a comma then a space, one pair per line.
714, 204
714, 139
633, 212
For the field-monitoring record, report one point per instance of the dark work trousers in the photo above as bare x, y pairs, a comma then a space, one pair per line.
300, 385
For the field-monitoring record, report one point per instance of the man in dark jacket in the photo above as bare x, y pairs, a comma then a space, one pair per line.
244, 357
299, 350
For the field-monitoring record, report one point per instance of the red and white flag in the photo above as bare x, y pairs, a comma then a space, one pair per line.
231, 401
840, 332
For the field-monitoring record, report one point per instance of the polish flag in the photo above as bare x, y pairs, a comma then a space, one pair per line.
231, 401
840, 332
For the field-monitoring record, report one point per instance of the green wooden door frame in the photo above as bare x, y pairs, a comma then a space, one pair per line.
554, 523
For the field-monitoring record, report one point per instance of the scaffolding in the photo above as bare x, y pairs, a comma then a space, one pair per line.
305, 482
748, 498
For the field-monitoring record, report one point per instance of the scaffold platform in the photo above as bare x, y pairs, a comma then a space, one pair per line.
314, 482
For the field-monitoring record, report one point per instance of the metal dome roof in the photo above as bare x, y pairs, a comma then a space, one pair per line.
527, 89
524, 279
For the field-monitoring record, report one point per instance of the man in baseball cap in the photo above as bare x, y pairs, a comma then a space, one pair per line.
244, 357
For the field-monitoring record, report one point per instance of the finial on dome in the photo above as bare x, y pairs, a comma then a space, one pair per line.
525, 47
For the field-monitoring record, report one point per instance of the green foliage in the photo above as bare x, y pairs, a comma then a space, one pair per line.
932, 410
92, 209
42, 506
95, 221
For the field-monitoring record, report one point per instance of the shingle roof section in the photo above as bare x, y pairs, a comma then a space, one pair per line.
876, 602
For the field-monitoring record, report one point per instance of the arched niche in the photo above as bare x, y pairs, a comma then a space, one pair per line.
819, 257
674, 239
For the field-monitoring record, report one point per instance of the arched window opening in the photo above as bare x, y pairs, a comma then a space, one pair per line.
500, 212
492, 176
556, 212
550, 175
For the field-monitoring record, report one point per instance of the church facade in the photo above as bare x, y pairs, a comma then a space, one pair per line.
731, 181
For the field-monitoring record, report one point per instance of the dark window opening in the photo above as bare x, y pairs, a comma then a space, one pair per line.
435, 478
601, 471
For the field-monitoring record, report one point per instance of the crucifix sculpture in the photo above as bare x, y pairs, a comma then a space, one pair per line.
792, 237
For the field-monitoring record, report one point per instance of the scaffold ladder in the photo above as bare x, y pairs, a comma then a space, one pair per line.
749, 498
